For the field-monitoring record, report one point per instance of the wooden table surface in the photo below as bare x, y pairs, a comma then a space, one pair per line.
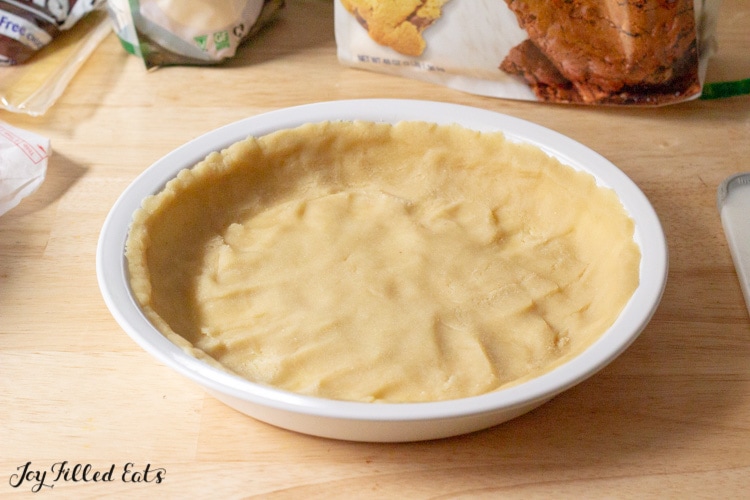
671, 416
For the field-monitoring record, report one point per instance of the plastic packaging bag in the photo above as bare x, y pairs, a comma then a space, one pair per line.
41, 53
184, 32
27, 26
23, 164
598, 52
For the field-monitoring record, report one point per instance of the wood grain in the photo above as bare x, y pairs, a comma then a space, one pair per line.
671, 416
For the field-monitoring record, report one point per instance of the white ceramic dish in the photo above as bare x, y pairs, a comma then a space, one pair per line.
374, 421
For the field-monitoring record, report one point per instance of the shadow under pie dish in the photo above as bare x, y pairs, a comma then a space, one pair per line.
353, 269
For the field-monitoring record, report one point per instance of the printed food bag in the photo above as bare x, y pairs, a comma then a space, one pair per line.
43, 44
596, 52
182, 32
27, 26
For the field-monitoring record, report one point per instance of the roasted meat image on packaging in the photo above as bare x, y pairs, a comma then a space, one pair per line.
607, 51
397, 24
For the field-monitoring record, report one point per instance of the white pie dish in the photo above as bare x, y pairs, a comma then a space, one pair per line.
383, 421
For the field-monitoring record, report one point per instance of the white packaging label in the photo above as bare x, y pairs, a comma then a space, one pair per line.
23, 164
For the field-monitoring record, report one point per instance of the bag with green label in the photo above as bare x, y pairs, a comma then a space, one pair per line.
187, 32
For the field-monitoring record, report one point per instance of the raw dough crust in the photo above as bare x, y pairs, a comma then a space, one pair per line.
374, 262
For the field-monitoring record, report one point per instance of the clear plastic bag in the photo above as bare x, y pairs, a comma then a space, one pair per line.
187, 32
32, 85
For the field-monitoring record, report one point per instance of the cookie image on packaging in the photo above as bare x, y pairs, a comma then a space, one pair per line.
397, 24
606, 52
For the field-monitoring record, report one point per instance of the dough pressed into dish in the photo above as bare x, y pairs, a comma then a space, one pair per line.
383, 263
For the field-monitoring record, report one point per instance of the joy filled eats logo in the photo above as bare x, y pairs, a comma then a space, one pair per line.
31, 477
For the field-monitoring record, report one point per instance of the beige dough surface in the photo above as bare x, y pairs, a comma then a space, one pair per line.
371, 262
